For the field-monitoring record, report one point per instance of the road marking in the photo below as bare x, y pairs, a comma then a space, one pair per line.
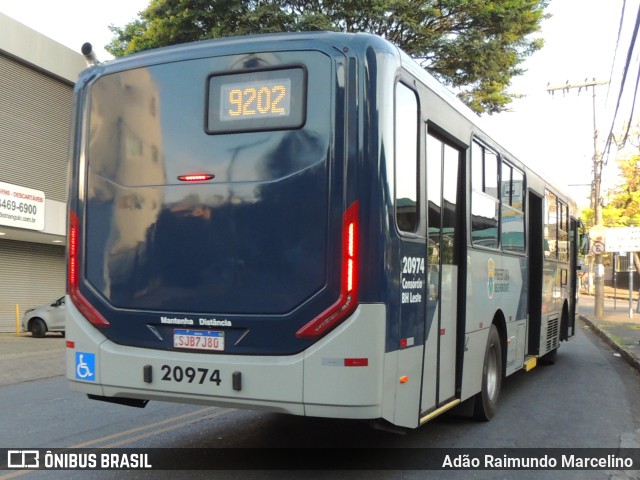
167, 429
16, 474
144, 427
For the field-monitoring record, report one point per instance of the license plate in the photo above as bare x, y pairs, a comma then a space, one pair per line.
199, 340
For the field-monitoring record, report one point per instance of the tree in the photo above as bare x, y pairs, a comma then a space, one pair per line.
623, 200
623, 208
474, 46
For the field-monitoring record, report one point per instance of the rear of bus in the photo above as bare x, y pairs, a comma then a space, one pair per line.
214, 232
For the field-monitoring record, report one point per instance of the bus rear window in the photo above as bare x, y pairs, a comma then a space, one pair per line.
256, 101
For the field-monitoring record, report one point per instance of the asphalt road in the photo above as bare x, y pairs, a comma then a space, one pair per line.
590, 398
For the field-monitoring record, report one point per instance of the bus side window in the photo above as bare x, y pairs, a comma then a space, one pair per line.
551, 227
406, 151
512, 218
485, 203
563, 232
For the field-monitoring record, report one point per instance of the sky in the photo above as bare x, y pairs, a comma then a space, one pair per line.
555, 132
551, 133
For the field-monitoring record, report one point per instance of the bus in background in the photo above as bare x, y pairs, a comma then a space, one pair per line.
304, 223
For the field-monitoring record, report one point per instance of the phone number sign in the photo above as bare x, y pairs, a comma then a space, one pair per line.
21, 207
622, 239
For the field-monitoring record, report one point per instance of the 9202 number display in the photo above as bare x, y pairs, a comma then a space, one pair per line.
265, 99
258, 100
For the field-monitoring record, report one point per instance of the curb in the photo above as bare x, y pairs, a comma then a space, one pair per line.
630, 358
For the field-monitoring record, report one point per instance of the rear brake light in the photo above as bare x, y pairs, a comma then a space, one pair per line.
73, 271
196, 177
348, 299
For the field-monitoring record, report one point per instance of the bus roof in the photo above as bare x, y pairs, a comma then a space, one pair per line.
280, 41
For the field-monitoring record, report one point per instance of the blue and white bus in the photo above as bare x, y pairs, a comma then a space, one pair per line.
304, 223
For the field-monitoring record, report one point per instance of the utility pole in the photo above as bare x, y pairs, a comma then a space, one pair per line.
596, 201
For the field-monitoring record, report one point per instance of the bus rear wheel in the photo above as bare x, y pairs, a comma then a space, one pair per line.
549, 358
486, 402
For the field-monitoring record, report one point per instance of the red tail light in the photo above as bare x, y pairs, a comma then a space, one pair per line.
196, 177
73, 272
348, 299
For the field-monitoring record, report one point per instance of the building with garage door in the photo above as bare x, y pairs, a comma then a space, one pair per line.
36, 95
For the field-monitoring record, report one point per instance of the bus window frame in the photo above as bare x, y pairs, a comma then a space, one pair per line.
482, 192
501, 159
523, 210
409, 84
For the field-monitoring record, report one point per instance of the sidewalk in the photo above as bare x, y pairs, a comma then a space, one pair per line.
620, 331
24, 358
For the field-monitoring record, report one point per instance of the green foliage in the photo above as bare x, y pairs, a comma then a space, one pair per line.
587, 215
623, 206
475, 46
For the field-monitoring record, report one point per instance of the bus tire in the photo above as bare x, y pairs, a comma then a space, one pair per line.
486, 402
549, 358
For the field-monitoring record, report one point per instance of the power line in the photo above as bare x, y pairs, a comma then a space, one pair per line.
624, 79
615, 52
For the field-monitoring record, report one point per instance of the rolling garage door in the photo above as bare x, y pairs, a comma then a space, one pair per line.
35, 110
32, 274
34, 129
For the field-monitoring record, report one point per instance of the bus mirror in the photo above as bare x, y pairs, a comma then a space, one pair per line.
584, 243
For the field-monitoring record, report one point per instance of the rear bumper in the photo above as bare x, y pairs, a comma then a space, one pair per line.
316, 382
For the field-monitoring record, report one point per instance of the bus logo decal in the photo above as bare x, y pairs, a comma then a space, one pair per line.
492, 273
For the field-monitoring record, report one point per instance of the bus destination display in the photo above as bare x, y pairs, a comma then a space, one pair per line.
253, 101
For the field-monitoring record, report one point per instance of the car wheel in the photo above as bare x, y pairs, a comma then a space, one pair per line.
38, 328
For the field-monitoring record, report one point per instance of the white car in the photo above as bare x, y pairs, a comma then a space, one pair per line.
45, 318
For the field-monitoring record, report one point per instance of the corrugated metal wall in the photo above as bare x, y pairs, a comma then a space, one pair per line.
32, 274
35, 113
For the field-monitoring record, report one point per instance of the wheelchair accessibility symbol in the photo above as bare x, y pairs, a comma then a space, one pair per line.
86, 366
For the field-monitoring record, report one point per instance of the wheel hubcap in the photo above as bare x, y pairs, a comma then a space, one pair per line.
492, 373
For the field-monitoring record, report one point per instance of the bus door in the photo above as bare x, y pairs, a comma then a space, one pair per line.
536, 270
443, 247
573, 280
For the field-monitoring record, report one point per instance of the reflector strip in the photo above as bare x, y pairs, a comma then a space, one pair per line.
356, 362
73, 250
407, 342
71, 344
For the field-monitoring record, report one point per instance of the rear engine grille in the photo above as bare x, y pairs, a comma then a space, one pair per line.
552, 334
